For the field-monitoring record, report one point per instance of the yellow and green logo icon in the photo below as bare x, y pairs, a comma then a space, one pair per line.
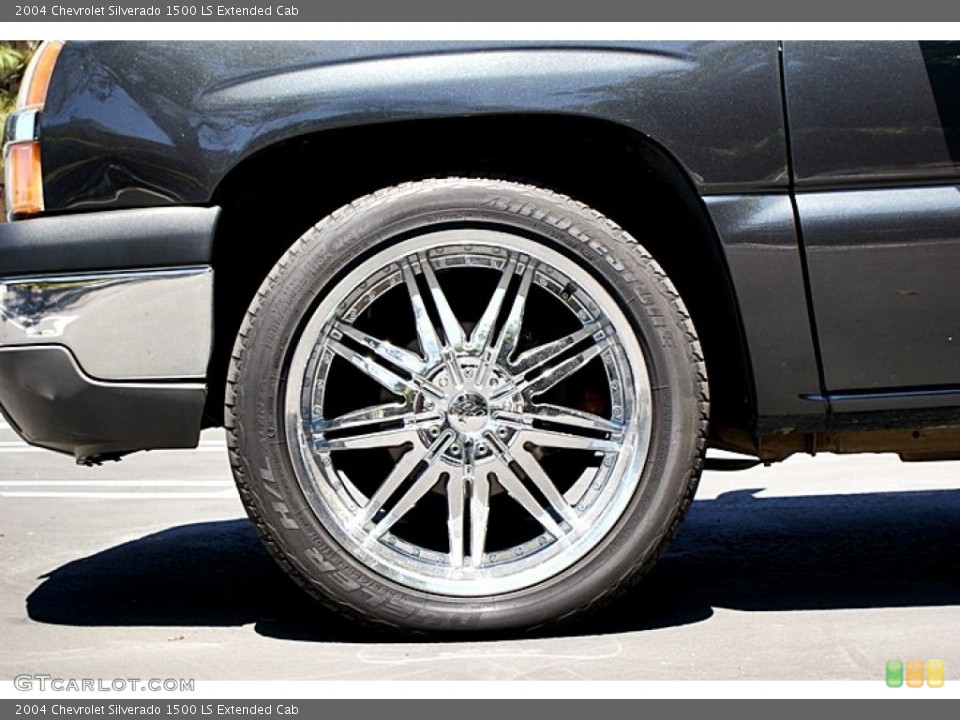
913, 673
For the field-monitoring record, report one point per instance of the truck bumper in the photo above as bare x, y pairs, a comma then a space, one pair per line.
106, 326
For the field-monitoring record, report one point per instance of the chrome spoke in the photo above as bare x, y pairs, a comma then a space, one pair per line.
510, 333
543, 354
483, 331
426, 333
515, 489
367, 416
452, 330
400, 472
558, 415
456, 494
420, 487
384, 376
555, 375
391, 353
576, 491
366, 441
556, 439
531, 468
456, 487
405, 504
479, 517
389, 379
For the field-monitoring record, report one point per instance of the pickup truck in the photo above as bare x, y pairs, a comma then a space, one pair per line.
471, 313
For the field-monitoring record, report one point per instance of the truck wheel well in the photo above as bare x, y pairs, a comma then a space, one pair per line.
273, 197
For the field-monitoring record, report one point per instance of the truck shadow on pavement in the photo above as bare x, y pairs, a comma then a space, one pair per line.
737, 551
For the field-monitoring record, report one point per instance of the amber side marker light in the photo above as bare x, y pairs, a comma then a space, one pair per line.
36, 80
21, 151
24, 179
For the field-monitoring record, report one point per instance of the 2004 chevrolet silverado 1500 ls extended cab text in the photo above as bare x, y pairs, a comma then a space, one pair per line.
471, 313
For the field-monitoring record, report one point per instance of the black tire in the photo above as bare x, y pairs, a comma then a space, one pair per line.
472, 552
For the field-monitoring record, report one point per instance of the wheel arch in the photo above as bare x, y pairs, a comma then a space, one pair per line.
272, 197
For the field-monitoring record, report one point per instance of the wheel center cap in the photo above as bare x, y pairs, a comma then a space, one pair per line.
468, 412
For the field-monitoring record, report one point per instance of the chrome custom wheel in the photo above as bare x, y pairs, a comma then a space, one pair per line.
495, 442
466, 404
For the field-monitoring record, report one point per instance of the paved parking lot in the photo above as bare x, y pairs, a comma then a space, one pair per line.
820, 568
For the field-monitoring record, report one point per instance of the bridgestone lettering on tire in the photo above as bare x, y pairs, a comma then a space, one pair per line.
466, 404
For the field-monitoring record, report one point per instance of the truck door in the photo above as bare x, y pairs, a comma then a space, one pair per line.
875, 145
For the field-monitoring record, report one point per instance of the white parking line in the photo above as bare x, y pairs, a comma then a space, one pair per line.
221, 495
16, 446
202, 488
116, 483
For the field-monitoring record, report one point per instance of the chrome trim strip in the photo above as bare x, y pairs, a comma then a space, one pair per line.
22, 126
883, 394
135, 325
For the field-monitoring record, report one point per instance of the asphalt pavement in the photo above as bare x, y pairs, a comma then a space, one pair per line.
817, 569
